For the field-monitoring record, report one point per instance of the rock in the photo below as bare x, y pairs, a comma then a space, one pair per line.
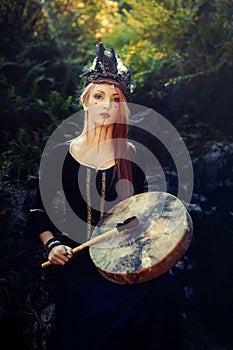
216, 167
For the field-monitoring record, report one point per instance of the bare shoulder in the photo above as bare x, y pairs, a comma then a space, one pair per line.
77, 147
78, 142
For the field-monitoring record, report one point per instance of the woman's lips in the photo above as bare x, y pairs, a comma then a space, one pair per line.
105, 115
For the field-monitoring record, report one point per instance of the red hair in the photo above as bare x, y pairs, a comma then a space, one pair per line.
120, 137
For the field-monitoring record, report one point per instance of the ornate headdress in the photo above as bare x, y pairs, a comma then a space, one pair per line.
107, 65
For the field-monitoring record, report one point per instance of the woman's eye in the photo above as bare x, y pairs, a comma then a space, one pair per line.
116, 99
98, 97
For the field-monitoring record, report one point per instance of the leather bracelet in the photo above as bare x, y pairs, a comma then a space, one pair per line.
51, 243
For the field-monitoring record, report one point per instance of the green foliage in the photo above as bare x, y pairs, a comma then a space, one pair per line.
34, 100
151, 32
21, 17
21, 160
181, 57
175, 40
76, 25
38, 88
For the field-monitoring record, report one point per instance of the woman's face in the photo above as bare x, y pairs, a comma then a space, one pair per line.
103, 104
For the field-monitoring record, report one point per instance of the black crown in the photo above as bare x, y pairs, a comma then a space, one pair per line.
107, 65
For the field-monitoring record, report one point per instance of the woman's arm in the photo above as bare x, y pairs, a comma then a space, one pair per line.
45, 236
39, 222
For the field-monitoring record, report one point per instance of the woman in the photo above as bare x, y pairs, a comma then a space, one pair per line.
93, 313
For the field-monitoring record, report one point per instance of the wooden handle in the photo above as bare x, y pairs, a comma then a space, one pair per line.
47, 263
126, 225
87, 244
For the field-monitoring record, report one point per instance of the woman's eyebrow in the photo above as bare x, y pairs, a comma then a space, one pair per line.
116, 94
100, 91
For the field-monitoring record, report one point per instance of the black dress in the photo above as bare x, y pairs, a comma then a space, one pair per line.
93, 313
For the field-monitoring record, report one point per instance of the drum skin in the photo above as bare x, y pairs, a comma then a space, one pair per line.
159, 240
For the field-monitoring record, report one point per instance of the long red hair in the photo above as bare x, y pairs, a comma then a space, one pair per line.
122, 147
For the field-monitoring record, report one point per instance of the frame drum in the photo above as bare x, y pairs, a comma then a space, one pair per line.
159, 240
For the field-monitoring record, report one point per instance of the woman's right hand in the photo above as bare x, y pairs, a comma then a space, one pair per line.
59, 255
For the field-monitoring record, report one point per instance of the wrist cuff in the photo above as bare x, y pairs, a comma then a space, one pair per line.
52, 242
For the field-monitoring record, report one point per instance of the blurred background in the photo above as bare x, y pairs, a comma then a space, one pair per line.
181, 54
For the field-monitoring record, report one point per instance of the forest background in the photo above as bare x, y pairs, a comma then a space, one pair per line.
181, 53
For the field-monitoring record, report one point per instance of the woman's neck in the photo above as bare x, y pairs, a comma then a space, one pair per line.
94, 148
98, 135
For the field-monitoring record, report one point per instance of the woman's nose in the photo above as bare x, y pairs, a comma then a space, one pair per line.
107, 104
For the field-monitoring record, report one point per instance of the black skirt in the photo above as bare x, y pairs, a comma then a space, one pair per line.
93, 313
